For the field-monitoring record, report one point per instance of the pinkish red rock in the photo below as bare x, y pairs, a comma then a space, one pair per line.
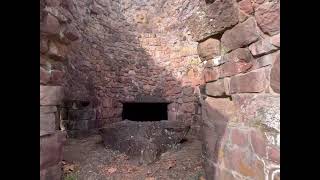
51, 149
50, 25
265, 60
233, 68
57, 51
215, 88
275, 40
188, 107
210, 74
212, 19
274, 154
239, 137
254, 81
56, 77
260, 47
71, 33
268, 17
209, 49
241, 35
53, 3
43, 45
246, 6
187, 91
44, 76
258, 143
47, 123
42, 60
242, 16
51, 95
275, 75
107, 102
240, 54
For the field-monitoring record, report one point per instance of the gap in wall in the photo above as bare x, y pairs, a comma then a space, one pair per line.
145, 111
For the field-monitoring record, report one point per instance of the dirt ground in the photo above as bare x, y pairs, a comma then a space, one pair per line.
88, 159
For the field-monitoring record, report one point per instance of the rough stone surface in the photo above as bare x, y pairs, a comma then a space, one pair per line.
246, 6
215, 88
241, 35
254, 81
209, 49
44, 76
211, 74
261, 47
213, 19
51, 95
275, 75
268, 17
47, 123
51, 173
240, 54
233, 68
258, 143
50, 25
146, 140
275, 40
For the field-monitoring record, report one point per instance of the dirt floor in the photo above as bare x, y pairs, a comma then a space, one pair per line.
88, 159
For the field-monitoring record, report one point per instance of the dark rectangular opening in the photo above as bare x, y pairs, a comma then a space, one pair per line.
145, 111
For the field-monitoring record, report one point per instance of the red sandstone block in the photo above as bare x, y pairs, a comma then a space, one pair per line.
246, 6
239, 137
275, 75
57, 51
51, 95
209, 49
258, 142
216, 88
210, 74
262, 47
44, 76
233, 68
275, 40
47, 123
43, 45
268, 17
50, 25
254, 81
274, 153
51, 173
56, 77
51, 149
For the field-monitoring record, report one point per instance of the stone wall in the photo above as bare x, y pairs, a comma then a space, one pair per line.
132, 50
239, 42
56, 34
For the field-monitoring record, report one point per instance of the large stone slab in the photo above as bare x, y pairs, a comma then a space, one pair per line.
241, 35
146, 140
268, 17
216, 88
209, 49
51, 95
275, 75
51, 149
213, 19
47, 123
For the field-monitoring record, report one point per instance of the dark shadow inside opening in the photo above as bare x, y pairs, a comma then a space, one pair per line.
145, 111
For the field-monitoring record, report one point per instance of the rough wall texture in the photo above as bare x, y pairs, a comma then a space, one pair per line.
56, 34
241, 104
130, 51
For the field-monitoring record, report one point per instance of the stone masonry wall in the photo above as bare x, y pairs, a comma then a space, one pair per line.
131, 51
56, 34
239, 42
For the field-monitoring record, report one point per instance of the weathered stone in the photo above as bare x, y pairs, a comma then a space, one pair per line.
53, 3
254, 81
239, 137
243, 16
209, 49
44, 76
71, 33
56, 77
51, 95
213, 19
241, 35
245, 163
107, 102
261, 47
246, 6
240, 54
265, 60
274, 154
223, 174
50, 25
145, 139
187, 91
51, 149
47, 123
268, 17
51, 173
210, 74
258, 143
57, 51
275, 75
48, 109
233, 68
188, 107
43, 45
275, 40
215, 88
